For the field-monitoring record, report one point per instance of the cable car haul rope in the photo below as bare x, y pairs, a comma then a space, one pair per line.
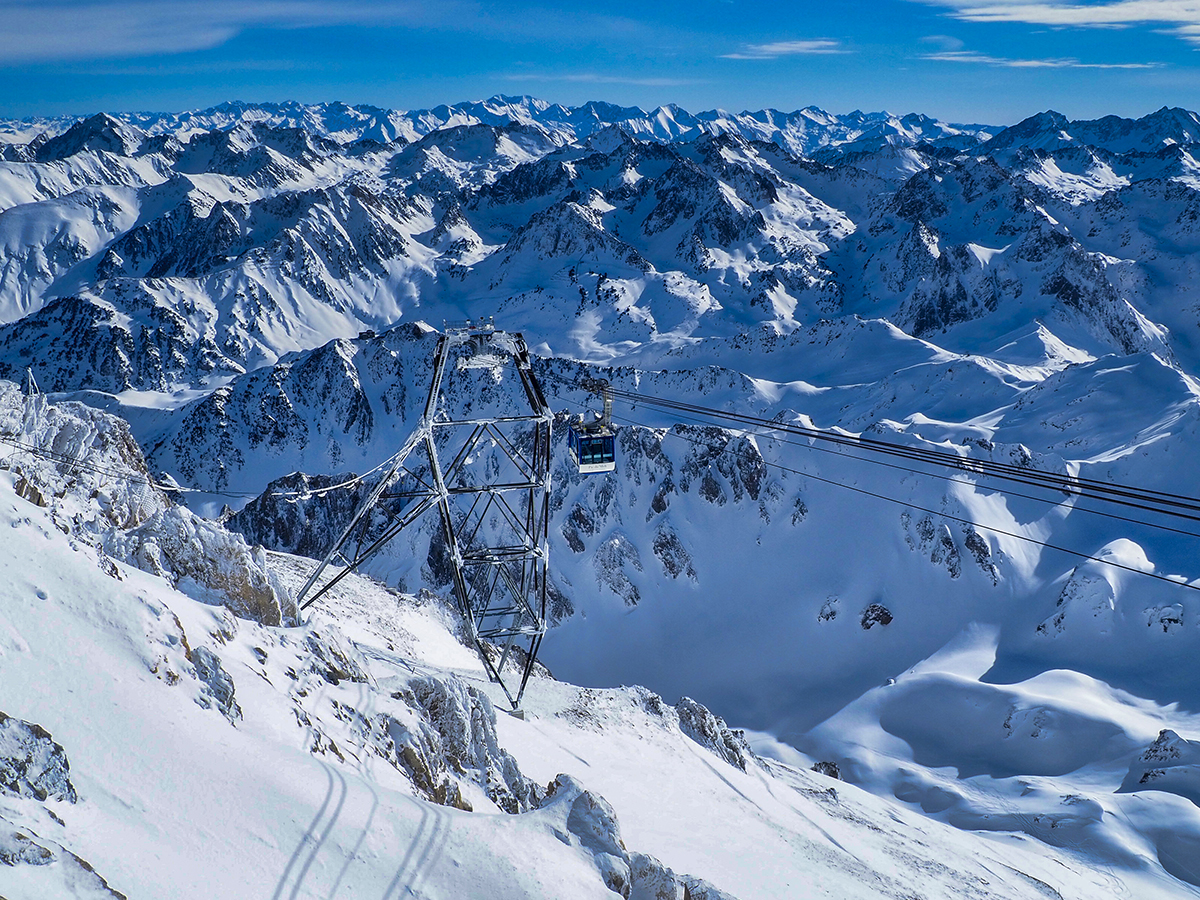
1162, 503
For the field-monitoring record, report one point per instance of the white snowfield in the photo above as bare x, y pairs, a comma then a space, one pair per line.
295, 794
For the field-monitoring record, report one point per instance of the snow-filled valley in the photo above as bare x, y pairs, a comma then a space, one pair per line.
937, 683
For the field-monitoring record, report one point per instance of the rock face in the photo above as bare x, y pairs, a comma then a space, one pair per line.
587, 821
710, 731
1171, 763
31, 763
202, 558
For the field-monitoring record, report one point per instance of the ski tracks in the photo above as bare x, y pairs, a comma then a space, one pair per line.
315, 852
423, 853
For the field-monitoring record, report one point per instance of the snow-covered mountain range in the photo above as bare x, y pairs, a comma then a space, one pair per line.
256, 290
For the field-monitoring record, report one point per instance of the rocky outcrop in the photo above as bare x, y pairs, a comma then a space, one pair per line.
450, 735
31, 763
85, 466
937, 540
81, 462
710, 731
202, 558
611, 559
65, 873
1171, 763
585, 820
218, 688
333, 657
875, 614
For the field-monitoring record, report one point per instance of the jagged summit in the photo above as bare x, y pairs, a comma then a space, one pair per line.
99, 133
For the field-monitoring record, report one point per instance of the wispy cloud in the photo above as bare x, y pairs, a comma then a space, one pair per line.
943, 42
774, 50
966, 56
35, 30
56, 30
1181, 16
169, 67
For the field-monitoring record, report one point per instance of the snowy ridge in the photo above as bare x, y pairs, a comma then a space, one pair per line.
800, 132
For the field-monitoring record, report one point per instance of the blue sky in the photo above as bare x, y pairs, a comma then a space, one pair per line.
990, 61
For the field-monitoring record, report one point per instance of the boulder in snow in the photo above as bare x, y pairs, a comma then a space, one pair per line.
31, 763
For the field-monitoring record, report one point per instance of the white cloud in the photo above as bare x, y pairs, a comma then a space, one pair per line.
32, 30
1182, 16
53, 30
966, 56
786, 48
943, 42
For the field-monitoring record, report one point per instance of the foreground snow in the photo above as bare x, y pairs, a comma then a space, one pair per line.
285, 789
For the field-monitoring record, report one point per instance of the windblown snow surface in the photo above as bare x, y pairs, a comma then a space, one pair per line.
304, 790
245, 300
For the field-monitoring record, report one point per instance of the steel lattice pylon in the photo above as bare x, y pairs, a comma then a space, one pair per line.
489, 478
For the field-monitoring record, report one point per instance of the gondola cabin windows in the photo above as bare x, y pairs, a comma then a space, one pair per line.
594, 448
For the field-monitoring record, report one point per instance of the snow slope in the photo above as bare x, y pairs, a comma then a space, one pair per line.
297, 795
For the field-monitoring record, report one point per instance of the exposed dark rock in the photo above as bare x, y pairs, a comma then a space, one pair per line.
671, 553
829, 610
975, 543
218, 686
875, 614
610, 560
826, 767
945, 551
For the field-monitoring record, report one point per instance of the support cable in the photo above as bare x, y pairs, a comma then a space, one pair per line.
1012, 534
1164, 503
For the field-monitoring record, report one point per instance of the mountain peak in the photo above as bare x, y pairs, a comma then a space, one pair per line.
98, 133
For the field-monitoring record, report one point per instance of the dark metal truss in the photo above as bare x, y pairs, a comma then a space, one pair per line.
494, 517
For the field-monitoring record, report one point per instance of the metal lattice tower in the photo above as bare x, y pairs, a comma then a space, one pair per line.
488, 476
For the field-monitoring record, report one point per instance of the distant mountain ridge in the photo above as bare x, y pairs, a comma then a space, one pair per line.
802, 131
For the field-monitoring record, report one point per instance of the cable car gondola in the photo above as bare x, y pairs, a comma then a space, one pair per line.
593, 445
